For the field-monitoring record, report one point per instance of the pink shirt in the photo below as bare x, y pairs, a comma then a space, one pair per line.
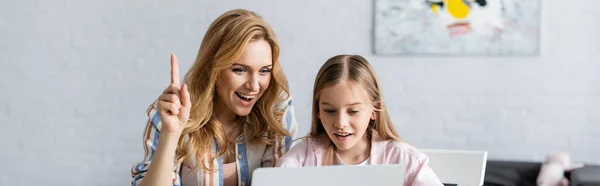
310, 152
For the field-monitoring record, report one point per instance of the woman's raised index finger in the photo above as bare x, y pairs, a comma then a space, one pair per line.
174, 70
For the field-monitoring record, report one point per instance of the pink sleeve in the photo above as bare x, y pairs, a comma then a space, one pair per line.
295, 157
423, 174
418, 172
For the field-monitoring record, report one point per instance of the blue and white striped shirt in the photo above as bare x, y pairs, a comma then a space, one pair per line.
249, 156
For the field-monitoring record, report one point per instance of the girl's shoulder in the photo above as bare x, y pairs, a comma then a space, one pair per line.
310, 143
404, 150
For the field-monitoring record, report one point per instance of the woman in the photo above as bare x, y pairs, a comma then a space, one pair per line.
232, 114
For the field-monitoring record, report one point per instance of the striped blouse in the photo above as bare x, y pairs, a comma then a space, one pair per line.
249, 156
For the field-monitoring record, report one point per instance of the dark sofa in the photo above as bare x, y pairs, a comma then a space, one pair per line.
515, 173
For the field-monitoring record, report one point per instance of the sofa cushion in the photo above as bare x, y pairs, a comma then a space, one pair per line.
500, 173
588, 175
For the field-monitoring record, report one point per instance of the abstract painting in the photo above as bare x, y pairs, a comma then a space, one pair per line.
456, 27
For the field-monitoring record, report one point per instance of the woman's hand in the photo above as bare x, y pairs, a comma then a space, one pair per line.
174, 104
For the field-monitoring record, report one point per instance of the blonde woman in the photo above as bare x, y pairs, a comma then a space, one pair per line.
231, 115
350, 125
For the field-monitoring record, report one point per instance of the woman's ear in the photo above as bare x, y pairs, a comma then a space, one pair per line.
373, 115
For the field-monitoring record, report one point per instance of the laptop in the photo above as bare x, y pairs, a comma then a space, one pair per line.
380, 175
458, 167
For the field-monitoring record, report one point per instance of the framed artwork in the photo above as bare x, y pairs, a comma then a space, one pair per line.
456, 27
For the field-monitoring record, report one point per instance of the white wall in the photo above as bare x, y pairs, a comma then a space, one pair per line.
77, 76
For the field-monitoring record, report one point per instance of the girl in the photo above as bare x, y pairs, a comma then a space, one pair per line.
232, 114
350, 125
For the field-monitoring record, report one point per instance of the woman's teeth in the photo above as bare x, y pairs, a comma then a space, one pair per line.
245, 97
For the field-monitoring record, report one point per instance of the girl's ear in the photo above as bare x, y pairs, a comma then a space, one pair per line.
318, 114
374, 112
373, 115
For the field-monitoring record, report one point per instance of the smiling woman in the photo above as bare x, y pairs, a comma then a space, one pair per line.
232, 115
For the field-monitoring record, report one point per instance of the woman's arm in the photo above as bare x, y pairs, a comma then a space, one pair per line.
158, 167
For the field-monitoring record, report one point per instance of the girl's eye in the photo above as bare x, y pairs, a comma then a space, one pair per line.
329, 111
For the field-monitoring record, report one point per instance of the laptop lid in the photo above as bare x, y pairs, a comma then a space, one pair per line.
381, 175
458, 167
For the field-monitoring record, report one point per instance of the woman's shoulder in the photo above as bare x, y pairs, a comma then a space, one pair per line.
284, 101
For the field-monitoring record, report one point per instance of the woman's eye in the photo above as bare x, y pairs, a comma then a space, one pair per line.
238, 70
265, 71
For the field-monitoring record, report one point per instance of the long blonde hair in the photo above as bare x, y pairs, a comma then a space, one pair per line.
223, 43
356, 69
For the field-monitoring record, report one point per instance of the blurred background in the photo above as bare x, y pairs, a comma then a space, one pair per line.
77, 77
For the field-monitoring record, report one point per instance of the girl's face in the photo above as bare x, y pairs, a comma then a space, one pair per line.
345, 111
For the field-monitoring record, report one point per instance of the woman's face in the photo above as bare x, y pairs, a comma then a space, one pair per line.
239, 86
